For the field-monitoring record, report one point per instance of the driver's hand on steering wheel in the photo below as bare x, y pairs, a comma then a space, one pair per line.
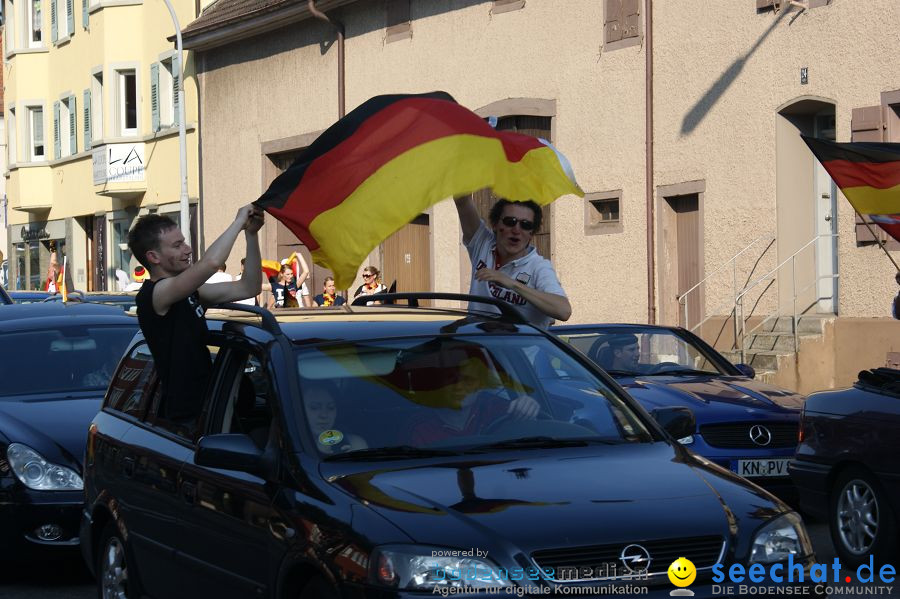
524, 408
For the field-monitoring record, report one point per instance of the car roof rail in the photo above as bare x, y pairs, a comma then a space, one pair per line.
507, 311
269, 322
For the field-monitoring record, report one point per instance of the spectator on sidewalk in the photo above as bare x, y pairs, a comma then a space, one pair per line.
329, 296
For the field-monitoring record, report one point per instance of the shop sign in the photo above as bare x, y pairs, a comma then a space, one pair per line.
116, 163
38, 231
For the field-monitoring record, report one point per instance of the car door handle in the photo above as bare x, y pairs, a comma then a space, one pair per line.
128, 467
189, 492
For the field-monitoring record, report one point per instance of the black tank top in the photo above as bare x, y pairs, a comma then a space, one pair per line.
178, 344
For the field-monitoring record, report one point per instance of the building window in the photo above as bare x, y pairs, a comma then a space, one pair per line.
602, 213
35, 16
399, 25
501, 6
11, 130
9, 34
65, 124
126, 111
35, 133
65, 24
166, 95
97, 106
621, 24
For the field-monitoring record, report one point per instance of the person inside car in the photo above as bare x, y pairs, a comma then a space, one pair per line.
623, 353
170, 304
321, 414
473, 406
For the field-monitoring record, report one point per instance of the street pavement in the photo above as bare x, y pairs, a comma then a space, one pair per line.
71, 580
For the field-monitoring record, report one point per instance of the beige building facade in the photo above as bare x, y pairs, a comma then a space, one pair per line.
735, 203
92, 135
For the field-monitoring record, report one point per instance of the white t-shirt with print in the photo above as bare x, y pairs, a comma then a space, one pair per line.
532, 269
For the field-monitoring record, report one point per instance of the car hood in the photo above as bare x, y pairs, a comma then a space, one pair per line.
714, 399
532, 499
55, 427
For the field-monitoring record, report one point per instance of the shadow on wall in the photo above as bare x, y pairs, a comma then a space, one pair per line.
699, 111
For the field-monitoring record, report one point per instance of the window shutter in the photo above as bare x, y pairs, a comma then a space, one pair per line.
38, 133
866, 125
85, 15
70, 17
612, 20
154, 96
57, 149
88, 137
73, 136
176, 79
53, 19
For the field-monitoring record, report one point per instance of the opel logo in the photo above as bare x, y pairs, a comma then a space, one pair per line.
636, 559
760, 435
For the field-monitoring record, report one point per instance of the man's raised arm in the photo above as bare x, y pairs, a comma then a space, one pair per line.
251, 281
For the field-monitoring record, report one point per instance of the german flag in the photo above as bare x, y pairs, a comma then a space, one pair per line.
868, 175
393, 157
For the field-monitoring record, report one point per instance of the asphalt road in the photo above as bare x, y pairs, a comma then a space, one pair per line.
71, 580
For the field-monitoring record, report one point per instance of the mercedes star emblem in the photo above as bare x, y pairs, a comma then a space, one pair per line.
760, 435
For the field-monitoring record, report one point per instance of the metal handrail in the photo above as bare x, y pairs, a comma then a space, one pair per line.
682, 299
739, 298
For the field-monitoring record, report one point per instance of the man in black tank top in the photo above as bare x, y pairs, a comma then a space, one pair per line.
170, 304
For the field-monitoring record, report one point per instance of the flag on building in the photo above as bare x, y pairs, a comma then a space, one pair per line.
392, 158
868, 175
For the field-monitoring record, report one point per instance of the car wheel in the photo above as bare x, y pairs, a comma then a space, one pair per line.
112, 566
318, 588
860, 518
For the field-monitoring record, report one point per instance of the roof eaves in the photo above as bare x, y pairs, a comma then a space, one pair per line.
250, 24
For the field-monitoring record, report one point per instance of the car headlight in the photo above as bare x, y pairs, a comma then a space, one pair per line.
426, 569
36, 473
782, 537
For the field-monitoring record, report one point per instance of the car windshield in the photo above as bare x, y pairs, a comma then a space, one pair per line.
60, 360
457, 393
634, 351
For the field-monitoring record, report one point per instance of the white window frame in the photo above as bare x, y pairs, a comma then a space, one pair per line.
97, 115
62, 20
29, 19
64, 117
11, 131
166, 91
30, 110
120, 72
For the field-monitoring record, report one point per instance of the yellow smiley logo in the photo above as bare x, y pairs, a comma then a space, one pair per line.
682, 572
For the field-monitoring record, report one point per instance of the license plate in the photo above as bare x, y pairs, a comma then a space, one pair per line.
763, 467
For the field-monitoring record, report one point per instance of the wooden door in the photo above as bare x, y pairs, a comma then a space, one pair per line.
407, 257
689, 245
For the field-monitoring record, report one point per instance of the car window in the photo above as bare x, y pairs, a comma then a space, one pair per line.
135, 381
65, 359
457, 391
655, 351
246, 407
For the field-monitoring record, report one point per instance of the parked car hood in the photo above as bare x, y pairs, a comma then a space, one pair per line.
575, 496
714, 398
55, 427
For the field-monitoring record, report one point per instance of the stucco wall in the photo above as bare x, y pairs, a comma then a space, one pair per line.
721, 72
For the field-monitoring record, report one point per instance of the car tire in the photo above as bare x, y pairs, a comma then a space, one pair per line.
861, 520
318, 588
114, 577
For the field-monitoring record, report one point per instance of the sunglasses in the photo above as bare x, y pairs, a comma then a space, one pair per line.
512, 221
367, 274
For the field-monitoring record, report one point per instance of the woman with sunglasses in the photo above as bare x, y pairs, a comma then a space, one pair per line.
505, 264
371, 283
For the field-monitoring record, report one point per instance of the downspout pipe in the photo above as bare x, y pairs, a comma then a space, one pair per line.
339, 27
648, 175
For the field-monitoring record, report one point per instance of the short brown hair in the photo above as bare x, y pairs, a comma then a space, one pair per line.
144, 235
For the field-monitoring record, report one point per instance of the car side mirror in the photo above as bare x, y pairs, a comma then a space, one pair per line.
230, 452
677, 421
746, 370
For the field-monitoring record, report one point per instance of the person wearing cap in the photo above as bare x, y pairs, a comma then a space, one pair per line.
171, 303
505, 264
140, 275
622, 353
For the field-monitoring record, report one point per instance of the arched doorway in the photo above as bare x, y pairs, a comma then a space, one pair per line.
806, 200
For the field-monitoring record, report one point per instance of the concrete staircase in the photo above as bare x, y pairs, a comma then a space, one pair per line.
771, 346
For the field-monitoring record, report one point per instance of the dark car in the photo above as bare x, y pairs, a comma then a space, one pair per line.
395, 451
55, 364
846, 468
122, 299
744, 425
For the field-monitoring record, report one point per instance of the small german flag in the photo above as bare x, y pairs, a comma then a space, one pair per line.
868, 174
392, 158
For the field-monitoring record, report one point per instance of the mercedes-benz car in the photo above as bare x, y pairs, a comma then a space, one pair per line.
744, 425
402, 451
